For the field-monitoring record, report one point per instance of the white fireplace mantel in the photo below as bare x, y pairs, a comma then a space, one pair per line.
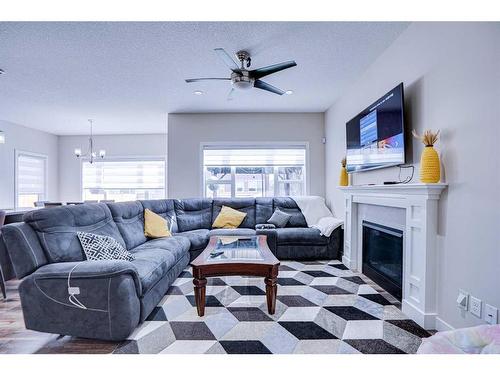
420, 202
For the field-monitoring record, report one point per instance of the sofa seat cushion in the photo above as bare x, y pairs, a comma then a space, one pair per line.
300, 236
198, 238
155, 258
232, 232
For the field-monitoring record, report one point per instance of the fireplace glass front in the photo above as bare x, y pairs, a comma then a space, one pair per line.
383, 256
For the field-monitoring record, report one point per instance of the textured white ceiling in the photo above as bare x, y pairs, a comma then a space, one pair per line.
128, 76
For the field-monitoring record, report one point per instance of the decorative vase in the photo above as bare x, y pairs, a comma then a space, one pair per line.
430, 169
344, 177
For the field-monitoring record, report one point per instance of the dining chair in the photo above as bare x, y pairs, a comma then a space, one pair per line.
52, 204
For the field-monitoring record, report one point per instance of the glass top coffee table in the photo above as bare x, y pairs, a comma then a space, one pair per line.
235, 255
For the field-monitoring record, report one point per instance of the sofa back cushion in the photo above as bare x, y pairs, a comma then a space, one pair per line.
289, 206
24, 248
56, 229
263, 210
129, 218
165, 208
246, 205
195, 213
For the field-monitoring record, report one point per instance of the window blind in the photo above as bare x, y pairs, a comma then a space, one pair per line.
149, 174
31, 171
254, 156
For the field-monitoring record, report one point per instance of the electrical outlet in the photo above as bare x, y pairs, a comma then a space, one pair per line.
475, 306
491, 314
463, 300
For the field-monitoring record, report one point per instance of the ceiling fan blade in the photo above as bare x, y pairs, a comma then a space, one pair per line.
266, 86
262, 72
221, 52
230, 96
206, 79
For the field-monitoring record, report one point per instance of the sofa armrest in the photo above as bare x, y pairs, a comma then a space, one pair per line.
265, 226
109, 291
90, 270
272, 238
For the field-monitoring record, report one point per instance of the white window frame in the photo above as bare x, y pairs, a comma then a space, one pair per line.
125, 158
246, 145
18, 153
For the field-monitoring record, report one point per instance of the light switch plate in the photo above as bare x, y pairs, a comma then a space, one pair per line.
475, 306
463, 300
491, 314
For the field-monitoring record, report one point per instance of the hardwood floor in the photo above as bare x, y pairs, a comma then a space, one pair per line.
16, 339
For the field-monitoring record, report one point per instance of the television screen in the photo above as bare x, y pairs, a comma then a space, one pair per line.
375, 137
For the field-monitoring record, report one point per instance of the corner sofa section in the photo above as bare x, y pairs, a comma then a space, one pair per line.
118, 295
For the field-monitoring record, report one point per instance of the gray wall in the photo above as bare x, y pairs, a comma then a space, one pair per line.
452, 82
187, 131
115, 146
25, 139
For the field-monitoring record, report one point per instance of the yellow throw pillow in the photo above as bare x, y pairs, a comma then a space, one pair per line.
154, 225
229, 218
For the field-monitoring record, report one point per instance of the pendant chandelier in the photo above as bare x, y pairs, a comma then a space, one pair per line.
90, 154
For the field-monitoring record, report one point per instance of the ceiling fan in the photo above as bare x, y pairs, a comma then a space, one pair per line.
242, 78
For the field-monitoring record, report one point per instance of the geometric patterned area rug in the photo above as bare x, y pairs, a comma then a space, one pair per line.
321, 307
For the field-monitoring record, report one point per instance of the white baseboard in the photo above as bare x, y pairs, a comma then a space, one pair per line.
346, 261
441, 325
425, 320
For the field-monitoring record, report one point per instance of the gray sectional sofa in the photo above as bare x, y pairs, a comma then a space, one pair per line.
118, 295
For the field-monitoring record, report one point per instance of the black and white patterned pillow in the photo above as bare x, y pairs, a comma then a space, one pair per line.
279, 218
97, 247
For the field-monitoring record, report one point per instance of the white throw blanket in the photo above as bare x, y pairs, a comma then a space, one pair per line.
317, 214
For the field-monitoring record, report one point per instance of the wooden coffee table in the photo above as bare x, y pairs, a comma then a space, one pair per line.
235, 256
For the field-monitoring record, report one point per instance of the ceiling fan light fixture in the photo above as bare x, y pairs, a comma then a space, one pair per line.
243, 85
198, 92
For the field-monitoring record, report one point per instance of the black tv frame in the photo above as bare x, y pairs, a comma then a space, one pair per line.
403, 128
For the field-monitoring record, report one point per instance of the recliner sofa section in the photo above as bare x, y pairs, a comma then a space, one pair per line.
119, 295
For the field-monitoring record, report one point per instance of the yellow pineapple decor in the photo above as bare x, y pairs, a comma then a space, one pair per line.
344, 178
430, 168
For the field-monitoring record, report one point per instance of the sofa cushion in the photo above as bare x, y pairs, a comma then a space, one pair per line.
198, 238
178, 246
246, 205
56, 228
97, 247
193, 214
164, 208
155, 226
153, 259
263, 209
289, 206
129, 219
229, 218
279, 218
24, 248
232, 232
300, 236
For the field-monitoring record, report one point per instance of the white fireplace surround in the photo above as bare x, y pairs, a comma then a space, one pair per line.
420, 202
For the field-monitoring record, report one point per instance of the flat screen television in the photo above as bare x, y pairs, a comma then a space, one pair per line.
375, 138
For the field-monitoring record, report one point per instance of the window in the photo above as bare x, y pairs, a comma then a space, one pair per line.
31, 179
253, 171
123, 180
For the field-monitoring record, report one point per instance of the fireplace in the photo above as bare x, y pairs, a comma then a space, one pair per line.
383, 256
